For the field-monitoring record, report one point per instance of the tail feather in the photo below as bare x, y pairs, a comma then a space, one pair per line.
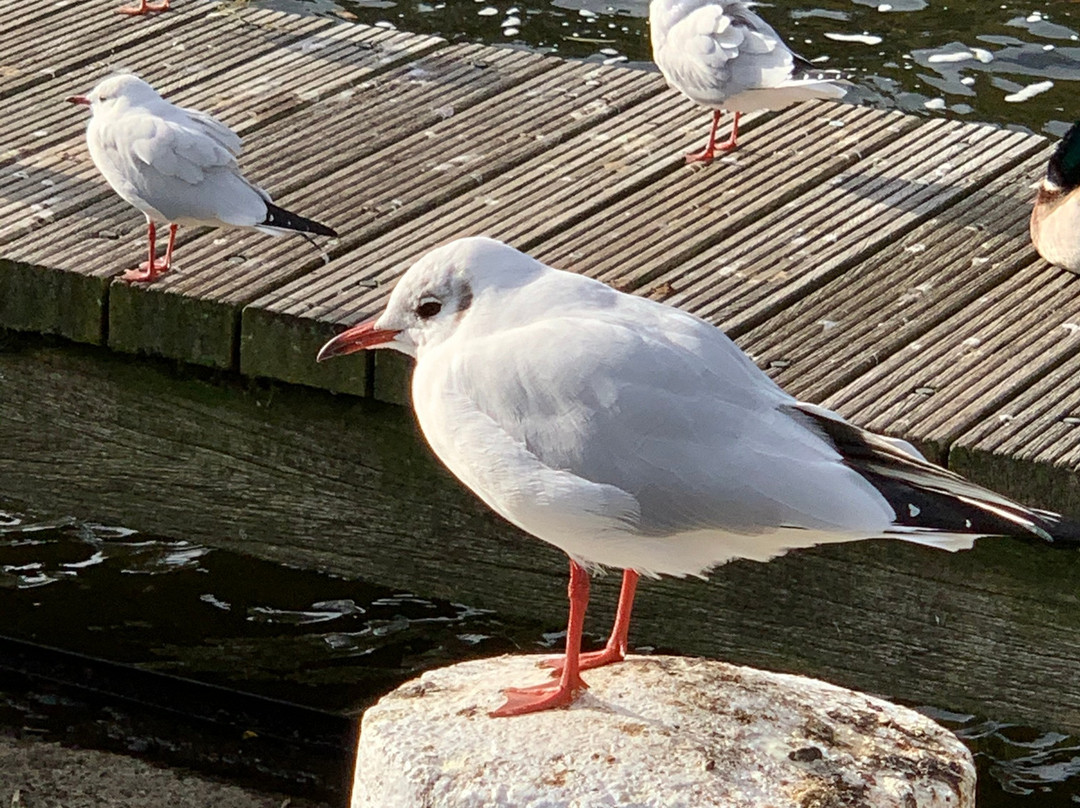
931, 502
834, 85
282, 219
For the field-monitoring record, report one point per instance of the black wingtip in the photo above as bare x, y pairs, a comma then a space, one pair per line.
1064, 532
279, 217
1064, 167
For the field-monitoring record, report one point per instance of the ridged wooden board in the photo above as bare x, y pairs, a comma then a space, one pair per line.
662, 226
974, 364
589, 169
1030, 444
762, 269
78, 34
881, 306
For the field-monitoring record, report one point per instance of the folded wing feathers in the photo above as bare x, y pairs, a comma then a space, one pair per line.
176, 150
925, 496
221, 133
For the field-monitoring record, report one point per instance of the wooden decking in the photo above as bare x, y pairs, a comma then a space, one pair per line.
871, 260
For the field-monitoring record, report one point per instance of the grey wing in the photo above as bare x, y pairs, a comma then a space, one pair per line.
684, 422
718, 50
186, 173
171, 148
221, 133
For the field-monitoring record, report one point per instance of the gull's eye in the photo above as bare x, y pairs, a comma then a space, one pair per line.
428, 308
101, 98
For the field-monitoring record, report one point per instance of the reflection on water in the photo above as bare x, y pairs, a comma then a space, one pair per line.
278, 631
326, 642
969, 59
1018, 765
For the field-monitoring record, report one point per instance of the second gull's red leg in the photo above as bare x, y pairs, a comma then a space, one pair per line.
549, 695
150, 269
615, 650
712, 148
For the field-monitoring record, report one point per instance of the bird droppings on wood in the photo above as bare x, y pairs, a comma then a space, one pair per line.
742, 740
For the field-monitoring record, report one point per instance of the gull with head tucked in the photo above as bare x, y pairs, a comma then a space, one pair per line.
720, 54
631, 434
176, 165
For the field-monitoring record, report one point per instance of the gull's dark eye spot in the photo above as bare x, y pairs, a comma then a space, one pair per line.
429, 308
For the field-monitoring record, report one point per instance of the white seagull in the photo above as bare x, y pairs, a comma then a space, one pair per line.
176, 165
631, 434
720, 54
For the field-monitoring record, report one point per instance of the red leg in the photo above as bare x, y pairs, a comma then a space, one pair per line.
615, 650
709, 152
169, 249
144, 7
712, 148
732, 141
150, 269
557, 694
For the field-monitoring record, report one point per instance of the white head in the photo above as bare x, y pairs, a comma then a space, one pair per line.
434, 296
118, 92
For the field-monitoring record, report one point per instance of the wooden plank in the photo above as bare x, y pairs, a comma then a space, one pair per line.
764, 268
881, 306
1030, 444
980, 359
344, 485
486, 137
282, 331
86, 31
666, 224
53, 295
582, 201
18, 20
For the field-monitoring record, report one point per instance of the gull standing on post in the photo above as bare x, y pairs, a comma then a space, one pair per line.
633, 435
720, 54
176, 165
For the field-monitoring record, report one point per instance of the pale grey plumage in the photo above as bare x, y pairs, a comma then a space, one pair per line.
632, 434
174, 164
720, 54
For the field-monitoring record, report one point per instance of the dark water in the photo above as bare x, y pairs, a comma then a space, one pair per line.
321, 641
977, 60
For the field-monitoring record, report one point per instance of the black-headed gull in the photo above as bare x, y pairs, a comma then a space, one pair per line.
176, 165
1055, 218
720, 54
631, 434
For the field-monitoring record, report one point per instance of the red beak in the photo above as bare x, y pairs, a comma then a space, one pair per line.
358, 338
78, 99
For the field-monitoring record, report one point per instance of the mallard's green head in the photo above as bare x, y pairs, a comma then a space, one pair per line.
1063, 172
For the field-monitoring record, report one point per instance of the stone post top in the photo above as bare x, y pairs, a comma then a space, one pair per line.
654, 731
